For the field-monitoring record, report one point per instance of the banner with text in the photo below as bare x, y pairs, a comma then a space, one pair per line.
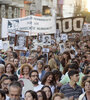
33, 24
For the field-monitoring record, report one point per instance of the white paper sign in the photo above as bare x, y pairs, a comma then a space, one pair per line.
5, 45
1, 45
64, 37
88, 27
62, 47
46, 50
33, 24
46, 40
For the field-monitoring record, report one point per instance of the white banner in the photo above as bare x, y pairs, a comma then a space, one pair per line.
33, 24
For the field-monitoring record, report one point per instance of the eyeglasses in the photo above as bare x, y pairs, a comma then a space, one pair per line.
34, 75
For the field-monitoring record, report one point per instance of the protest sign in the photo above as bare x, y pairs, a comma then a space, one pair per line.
5, 45
33, 24
64, 37
70, 24
46, 40
88, 27
21, 40
1, 45
45, 50
62, 47
11, 38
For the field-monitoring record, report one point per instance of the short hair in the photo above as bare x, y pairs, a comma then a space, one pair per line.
32, 72
3, 94
33, 93
24, 65
58, 94
5, 78
41, 62
73, 66
72, 72
16, 85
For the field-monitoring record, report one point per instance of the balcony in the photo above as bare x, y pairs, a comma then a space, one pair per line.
17, 3
5, 1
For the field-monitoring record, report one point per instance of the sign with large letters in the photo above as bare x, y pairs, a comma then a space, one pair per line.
71, 24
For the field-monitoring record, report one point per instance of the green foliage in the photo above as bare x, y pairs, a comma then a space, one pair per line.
87, 16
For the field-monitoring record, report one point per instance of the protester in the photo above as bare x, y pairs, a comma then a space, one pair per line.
9, 69
41, 95
2, 95
71, 89
86, 94
49, 68
40, 67
31, 95
34, 78
49, 80
48, 92
2, 70
24, 71
15, 90
58, 96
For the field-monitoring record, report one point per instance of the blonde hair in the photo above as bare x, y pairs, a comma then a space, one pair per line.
58, 94
25, 65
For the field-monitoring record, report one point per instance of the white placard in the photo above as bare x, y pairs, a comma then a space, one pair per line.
88, 27
5, 45
62, 47
33, 24
64, 37
45, 50
46, 40
1, 45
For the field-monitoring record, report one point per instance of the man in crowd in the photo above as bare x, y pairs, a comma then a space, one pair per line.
15, 90
34, 77
71, 89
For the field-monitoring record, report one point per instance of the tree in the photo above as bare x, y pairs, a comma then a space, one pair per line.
86, 14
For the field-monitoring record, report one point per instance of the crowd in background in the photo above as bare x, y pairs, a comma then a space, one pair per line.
60, 76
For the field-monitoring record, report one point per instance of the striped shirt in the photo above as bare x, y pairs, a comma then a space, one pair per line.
68, 91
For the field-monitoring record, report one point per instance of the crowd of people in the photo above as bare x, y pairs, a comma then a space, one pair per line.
53, 75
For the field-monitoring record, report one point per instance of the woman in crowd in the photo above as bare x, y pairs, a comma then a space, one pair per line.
57, 75
47, 68
40, 68
86, 94
49, 80
31, 95
25, 69
41, 95
58, 96
23, 60
48, 92
9, 69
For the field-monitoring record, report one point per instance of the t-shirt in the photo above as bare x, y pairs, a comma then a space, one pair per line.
37, 88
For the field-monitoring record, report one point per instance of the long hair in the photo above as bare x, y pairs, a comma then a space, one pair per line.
46, 76
49, 89
12, 66
43, 94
